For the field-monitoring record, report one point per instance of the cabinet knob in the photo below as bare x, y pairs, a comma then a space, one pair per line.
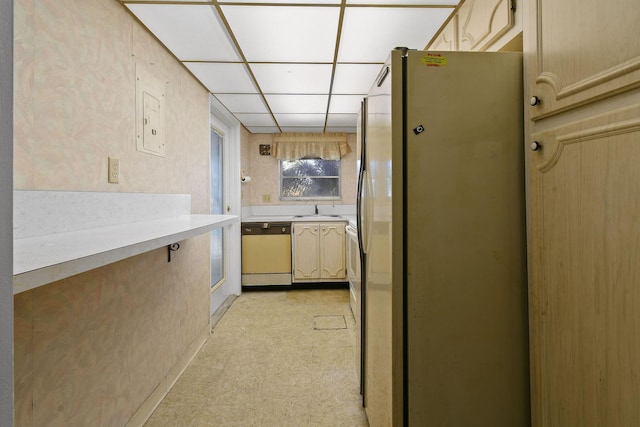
535, 146
534, 100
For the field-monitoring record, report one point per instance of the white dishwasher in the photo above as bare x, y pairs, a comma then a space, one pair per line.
266, 253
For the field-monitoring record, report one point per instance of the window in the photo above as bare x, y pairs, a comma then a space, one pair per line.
216, 202
309, 179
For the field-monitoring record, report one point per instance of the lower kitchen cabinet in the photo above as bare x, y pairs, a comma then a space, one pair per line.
319, 252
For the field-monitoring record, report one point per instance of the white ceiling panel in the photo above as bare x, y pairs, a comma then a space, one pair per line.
256, 119
369, 34
222, 2
355, 78
191, 32
342, 119
307, 129
300, 119
451, 3
223, 77
345, 103
263, 129
278, 70
243, 103
285, 33
293, 78
298, 103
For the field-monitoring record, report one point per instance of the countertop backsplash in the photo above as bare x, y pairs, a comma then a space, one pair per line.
292, 210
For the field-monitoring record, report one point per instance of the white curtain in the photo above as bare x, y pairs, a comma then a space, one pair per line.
294, 146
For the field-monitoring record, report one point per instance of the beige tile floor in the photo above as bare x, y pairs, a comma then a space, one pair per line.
275, 359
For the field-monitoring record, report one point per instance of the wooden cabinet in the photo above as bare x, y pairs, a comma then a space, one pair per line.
475, 26
583, 198
447, 38
581, 54
319, 252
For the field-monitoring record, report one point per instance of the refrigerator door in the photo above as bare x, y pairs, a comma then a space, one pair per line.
466, 307
360, 274
377, 222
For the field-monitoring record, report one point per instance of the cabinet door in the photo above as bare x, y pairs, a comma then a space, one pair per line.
580, 52
584, 189
481, 22
447, 39
332, 251
306, 255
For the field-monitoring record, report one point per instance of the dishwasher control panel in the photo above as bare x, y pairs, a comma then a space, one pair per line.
262, 228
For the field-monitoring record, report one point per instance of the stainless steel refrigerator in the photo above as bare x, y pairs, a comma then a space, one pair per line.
442, 225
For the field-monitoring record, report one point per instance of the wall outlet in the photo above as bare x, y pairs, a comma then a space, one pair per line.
266, 198
114, 170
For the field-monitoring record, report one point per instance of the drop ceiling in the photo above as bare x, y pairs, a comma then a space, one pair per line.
291, 65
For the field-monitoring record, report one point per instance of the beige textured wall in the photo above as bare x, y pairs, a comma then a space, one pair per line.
264, 174
90, 349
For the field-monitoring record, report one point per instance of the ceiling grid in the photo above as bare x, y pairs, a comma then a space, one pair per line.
290, 65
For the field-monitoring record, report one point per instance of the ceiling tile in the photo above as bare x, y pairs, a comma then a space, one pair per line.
222, 2
284, 33
243, 103
256, 119
298, 103
411, 2
263, 129
345, 103
300, 119
342, 119
355, 78
308, 129
191, 32
223, 78
293, 78
174, 1
369, 33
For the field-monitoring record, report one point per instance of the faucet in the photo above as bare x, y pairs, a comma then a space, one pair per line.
316, 209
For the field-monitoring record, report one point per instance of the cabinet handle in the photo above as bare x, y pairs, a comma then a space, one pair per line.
534, 100
535, 146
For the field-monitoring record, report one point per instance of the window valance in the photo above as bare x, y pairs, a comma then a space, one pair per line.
294, 146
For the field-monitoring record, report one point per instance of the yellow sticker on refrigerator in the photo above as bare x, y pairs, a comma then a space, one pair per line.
434, 60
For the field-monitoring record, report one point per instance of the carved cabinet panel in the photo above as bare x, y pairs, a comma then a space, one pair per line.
581, 53
584, 190
447, 39
481, 22
319, 251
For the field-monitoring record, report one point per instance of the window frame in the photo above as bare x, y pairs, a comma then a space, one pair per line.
223, 230
339, 177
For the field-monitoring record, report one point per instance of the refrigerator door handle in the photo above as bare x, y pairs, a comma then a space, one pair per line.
366, 211
361, 175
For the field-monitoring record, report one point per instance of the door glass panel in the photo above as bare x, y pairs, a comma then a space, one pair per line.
217, 235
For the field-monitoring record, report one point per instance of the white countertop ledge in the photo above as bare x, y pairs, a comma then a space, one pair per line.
44, 259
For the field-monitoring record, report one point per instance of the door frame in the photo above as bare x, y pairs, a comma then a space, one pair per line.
227, 125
